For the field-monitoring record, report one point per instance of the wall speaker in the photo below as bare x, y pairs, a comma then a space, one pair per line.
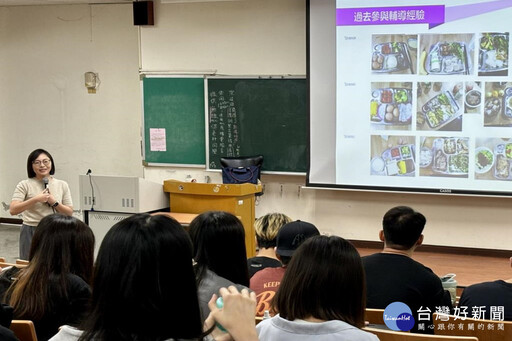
143, 13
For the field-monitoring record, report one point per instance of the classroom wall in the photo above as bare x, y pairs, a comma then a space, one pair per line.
43, 102
255, 37
45, 51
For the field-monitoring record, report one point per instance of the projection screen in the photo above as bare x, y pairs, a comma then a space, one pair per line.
410, 96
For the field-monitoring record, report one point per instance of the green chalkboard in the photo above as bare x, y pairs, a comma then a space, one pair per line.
258, 117
174, 108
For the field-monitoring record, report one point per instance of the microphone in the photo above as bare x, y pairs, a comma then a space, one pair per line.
45, 181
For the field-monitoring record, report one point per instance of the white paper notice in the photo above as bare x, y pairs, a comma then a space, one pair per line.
157, 139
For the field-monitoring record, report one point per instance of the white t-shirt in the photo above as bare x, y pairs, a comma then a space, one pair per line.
67, 333
278, 328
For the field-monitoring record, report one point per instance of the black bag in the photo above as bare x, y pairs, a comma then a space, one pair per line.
240, 170
240, 175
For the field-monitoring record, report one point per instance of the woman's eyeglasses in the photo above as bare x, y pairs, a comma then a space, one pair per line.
45, 162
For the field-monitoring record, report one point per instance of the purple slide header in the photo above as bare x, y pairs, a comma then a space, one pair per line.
432, 15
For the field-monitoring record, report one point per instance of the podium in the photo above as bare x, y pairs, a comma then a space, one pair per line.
193, 197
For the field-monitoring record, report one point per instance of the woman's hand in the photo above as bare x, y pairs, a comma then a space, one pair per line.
237, 315
44, 196
60, 208
18, 207
51, 200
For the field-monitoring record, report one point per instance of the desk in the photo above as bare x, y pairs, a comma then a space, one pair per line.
182, 218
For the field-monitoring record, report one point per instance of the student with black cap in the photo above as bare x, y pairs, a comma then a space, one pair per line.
266, 282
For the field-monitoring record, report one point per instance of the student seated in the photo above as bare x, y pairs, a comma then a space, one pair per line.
494, 296
392, 275
144, 288
266, 229
266, 282
219, 254
322, 295
54, 287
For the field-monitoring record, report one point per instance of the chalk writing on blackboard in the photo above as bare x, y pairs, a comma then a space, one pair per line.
258, 117
224, 125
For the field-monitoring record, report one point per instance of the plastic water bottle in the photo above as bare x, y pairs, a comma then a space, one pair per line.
450, 284
220, 305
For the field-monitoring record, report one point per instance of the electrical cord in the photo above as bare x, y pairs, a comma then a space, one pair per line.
92, 188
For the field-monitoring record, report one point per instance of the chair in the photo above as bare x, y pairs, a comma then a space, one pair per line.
5, 264
21, 262
24, 330
2, 259
390, 335
374, 316
484, 330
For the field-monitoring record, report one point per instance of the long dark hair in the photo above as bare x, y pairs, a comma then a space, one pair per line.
33, 156
325, 280
61, 245
144, 285
219, 245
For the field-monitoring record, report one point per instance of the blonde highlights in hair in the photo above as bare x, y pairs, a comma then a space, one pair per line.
267, 226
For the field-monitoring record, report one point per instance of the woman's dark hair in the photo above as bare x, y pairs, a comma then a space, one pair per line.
144, 285
61, 245
33, 156
324, 280
219, 246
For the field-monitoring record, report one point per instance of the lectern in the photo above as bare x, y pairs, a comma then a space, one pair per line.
192, 197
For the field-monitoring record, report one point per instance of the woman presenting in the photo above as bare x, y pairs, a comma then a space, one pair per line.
38, 196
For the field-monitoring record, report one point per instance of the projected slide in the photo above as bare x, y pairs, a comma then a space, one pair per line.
424, 95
